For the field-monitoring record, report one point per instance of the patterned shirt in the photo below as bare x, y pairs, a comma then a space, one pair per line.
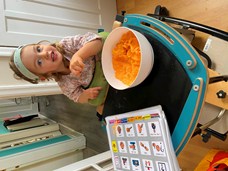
71, 85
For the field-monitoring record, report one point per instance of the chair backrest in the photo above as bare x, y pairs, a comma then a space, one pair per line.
177, 82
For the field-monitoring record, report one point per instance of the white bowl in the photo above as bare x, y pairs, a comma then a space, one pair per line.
146, 63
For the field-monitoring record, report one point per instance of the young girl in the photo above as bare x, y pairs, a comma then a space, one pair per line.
71, 62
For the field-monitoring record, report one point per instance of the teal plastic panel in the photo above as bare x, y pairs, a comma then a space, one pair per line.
38, 144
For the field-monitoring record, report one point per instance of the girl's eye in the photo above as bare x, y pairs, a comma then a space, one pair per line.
38, 48
39, 62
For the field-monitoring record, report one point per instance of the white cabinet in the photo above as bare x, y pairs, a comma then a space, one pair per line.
26, 21
37, 147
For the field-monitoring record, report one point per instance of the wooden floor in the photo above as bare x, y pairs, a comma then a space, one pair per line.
196, 149
208, 12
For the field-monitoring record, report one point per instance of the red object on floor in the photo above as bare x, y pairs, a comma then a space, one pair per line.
219, 166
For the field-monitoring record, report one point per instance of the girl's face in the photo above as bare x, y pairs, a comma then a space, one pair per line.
42, 59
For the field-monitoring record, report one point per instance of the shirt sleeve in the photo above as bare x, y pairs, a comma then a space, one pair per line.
70, 87
74, 43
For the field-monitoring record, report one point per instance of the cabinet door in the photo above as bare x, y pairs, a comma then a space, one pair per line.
29, 21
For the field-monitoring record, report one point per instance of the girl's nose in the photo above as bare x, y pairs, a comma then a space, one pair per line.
44, 55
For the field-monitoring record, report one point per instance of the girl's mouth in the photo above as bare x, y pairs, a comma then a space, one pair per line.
53, 56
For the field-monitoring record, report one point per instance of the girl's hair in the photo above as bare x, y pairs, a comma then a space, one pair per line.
55, 76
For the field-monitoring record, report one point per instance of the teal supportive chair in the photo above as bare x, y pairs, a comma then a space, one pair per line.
177, 82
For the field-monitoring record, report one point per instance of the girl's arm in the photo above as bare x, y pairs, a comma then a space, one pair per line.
89, 49
73, 90
90, 93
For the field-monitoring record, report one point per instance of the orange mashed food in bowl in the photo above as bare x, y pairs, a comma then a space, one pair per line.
126, 57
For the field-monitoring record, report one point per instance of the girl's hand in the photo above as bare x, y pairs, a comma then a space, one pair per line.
88, 50
90, 93
76, 65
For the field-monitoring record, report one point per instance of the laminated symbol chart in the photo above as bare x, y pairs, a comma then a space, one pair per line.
140, 141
